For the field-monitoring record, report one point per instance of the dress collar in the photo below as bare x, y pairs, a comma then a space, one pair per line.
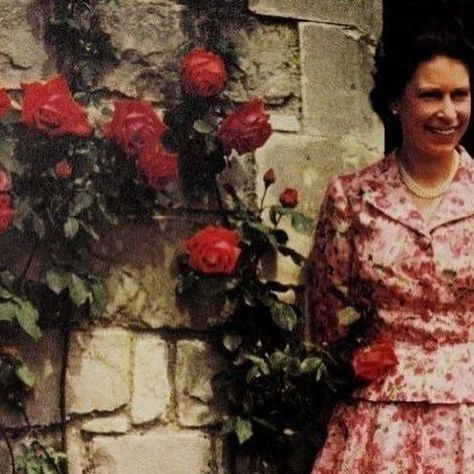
384, 190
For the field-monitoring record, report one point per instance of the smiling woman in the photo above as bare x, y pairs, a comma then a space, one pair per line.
396, 239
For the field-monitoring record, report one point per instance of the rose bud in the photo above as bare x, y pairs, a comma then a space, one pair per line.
289, 198
159, 167
5, 182
246, 129
203, 73
5, 102
63, 169
7, 213
375, 361
50, 108
269, 177
135, 126
214, 250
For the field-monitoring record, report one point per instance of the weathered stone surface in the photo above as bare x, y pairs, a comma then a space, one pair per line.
76, 451
151, 387
98, 374
306, 163
270, 64
285, 123
43, 358
336, 69
169, 452
23, 57
109, 424
146, 35
196, 364
364, 14
142, 278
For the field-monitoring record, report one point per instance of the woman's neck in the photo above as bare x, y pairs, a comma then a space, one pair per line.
428, 170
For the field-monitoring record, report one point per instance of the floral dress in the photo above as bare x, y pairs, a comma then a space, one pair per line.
373, 246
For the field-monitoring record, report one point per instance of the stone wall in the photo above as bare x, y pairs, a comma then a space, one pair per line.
140, 397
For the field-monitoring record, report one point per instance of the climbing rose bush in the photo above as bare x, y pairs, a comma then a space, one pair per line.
158, 166
247, 128
50, 108
5, 182
203, 73
135, 126
374, 361
7, 213
289, 198
5, 102
214, 250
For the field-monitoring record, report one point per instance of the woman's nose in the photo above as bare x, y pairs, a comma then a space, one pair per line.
447, 109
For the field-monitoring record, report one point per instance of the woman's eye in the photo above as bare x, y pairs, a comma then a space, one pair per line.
429, 95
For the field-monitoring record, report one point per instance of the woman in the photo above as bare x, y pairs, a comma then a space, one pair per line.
398, 237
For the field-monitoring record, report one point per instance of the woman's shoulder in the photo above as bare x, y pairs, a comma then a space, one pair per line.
353, 183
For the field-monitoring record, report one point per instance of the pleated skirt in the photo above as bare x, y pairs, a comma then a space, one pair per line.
366, 437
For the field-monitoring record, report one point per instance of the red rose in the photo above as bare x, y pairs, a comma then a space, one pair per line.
289, 198
203, 73
159, 167
214, 250
5, 182
135, 126
269, 177
372, 362
63, 169
247, 128
5, 102
7, 213
51, 109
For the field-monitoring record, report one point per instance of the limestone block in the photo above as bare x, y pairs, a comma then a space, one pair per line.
146, 35
196, 365
269, 64
364, 14
76, 451
306, 163
109, 424
151, 387
141, 278
98, 374
43, 358
336, 68
169, 452
23, 57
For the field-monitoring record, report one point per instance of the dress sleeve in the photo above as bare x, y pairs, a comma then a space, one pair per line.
332, 264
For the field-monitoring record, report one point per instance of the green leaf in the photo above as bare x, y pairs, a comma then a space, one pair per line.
347, 316
301, 223
27, 317
38, 226
232, 342
8, 311
78, 290
99, 300
311, 364
243, 429
283, 315
203, 127
71, 227
259, 363
25, 375
81, 201
56, 281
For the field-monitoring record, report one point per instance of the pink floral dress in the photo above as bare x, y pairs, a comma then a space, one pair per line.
373, 245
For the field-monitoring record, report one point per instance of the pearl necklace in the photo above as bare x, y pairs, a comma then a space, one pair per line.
429, 192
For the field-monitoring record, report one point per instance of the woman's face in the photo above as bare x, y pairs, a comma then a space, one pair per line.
435, 108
